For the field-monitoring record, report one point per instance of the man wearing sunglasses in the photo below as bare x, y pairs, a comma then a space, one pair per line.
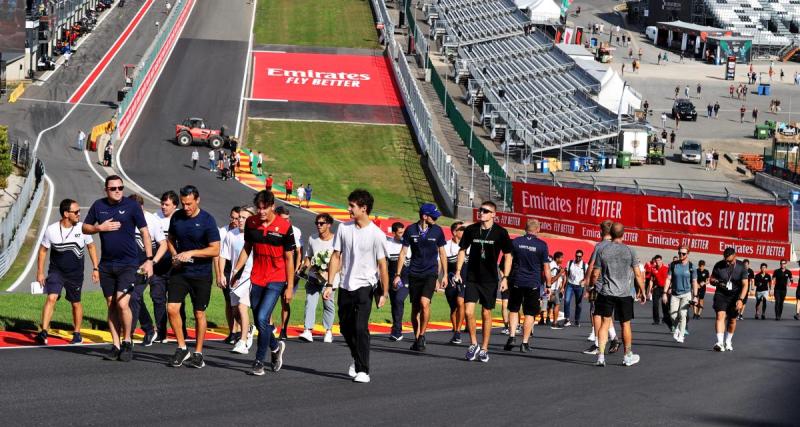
729, 278
66, 242
319, 248
680, 288
116, 218
485, 241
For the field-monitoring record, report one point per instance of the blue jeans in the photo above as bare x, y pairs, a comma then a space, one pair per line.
577, 292
263, 300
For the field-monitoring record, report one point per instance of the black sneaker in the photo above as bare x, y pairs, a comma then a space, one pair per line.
456, 338
414, 346
549, 323
161, 338
258, 368
541, 322
196, 361
614, 346
591, 350
112, 354
510, 344
277, 356
149, 339
765, 317
180, 356
283, 336
524, 347
421, 344
126, 352
230, 339
395, 338
796, 317
41, 338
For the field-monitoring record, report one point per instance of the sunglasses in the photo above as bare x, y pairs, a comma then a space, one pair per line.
485, 211
120, 188
683, 253
77, 212
321, 223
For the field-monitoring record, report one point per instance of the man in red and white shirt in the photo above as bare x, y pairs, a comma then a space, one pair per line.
271, 240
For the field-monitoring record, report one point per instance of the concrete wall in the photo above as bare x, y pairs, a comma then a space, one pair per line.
15, 70
770, 183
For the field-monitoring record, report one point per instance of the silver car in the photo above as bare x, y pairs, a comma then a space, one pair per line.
691, 151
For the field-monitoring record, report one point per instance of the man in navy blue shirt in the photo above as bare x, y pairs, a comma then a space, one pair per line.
528, 266
193, 242
428, 258
116, 218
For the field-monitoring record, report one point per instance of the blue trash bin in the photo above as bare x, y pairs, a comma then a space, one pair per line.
545, 166
575, 165
601, 160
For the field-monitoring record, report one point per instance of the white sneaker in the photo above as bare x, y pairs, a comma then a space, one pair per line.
306, 336
677, 334
679, 339
328, 336
591, 337
361, 377
240, 347
251, 332
728, 346
630, 359
719, 347
352, 370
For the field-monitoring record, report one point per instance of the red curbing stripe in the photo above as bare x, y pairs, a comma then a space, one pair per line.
101, 66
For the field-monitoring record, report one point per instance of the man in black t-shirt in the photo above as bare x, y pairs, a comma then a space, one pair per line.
485, 240
750, 276
702, 280
762, 281
781, 279
729, 277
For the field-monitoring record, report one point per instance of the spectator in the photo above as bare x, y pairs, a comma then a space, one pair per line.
81, 139
755, 115
742, 110
212, 164
289, 184
658, 279
301, 195
268, 183
195, 158
715, 155
672, 140
308, 195
716, 109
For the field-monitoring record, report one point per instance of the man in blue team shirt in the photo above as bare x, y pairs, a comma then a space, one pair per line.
529, 262
428, 257
193, 242
116, 219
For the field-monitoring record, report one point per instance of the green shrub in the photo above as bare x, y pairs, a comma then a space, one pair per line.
5, 157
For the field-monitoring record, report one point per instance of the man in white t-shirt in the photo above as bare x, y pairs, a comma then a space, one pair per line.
66, 241
212, 161
558, 276
195, 158
576, 280
286, 299
360, 254
160, 277
239, 295
222, 268
139, 311
319, 248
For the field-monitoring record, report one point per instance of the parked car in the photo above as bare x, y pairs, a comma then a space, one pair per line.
691, 151
685, 109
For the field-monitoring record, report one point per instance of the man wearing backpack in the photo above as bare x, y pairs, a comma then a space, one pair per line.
576, 280
681, 285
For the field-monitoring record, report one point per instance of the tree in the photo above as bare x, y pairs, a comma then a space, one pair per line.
5, 157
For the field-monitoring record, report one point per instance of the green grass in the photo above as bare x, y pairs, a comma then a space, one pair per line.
23, 311
337, 158
332, 23
27, 247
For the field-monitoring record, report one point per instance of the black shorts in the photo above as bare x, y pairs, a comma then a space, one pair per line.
115, 279
525, 298
620, 307
198, 289
726, 302
485, 293
701, 292
56, 281
453, 292
421, 286
503, 295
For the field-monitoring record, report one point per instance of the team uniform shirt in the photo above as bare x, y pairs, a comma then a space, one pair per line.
425, 248
762, 282
165, 263
576, 272
485, 247
298, 237
316, 246
616, 262
393, 248
118, 247
730, 277
530, 253
270, 243
782, 279
360, 249
190, 233
230, 249
66, 249
156, 235
659, 275
681, 277
451, 248
702, 277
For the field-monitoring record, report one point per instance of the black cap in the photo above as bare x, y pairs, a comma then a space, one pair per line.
729, 251
281, 210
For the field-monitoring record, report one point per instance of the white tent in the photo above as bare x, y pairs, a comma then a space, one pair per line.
611, 84
540, 10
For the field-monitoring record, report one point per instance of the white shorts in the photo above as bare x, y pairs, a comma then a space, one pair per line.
241, 294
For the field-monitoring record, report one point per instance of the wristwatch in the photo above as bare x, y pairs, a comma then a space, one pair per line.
150, 258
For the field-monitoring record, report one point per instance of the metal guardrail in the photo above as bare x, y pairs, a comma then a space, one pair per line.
21, 155
14, 219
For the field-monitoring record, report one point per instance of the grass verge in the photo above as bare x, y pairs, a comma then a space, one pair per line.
27, 246
332, 23
23, 311
337, 158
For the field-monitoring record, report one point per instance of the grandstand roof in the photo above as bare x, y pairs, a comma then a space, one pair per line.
689, 27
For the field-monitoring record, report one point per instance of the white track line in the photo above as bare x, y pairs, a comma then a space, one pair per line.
133, 122
50, 101
246, 71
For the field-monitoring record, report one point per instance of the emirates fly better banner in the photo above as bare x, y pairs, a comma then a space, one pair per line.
655, 213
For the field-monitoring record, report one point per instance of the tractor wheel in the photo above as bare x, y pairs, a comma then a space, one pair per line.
184, 139
215, 142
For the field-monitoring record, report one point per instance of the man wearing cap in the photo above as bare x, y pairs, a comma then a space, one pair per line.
428, 258
729, 277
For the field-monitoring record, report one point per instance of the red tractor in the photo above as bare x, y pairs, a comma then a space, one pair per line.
194, 130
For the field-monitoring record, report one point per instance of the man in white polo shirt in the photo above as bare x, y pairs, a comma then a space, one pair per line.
360, 254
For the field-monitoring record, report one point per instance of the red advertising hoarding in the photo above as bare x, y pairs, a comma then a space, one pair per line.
650, 238
334, 79
749, 221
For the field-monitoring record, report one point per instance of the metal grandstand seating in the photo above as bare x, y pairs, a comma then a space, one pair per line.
753, 17
476, 21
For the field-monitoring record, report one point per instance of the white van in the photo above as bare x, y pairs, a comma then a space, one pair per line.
650, 32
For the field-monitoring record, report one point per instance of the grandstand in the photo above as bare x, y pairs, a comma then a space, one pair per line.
528, 93
773, 24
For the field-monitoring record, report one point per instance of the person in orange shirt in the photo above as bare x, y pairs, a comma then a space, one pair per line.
289, 184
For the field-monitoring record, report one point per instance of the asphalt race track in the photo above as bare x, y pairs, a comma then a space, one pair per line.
555, 384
